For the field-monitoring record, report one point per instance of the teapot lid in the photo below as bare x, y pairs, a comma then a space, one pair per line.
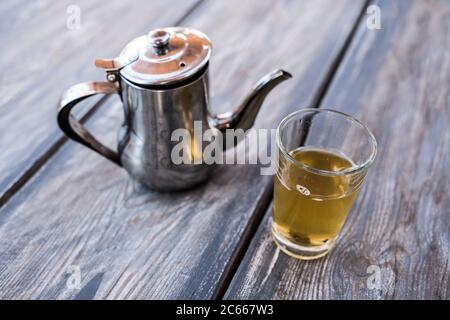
165, 56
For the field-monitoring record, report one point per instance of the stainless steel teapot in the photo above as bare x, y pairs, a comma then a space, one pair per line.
162, 80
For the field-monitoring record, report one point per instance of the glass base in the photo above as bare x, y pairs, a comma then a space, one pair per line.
298, 251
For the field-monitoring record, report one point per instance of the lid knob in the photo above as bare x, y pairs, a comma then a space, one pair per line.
159, 39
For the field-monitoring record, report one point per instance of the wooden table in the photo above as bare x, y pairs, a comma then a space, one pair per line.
67, 212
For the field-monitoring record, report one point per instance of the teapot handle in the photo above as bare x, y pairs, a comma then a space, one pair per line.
73, 128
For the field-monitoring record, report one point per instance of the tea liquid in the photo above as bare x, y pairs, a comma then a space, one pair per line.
310, 208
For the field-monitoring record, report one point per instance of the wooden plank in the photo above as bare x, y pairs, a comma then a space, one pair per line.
80, 210
42, 57
396, 81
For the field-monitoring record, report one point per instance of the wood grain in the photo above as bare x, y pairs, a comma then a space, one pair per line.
396, 81
81, 210
41, 57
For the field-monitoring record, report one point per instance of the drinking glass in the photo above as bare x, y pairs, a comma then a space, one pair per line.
323, 157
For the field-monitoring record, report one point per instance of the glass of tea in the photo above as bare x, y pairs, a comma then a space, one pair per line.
323, 157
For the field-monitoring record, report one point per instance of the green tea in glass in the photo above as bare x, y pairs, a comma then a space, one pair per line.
323, 157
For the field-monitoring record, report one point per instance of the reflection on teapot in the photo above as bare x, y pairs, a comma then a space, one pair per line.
162, 80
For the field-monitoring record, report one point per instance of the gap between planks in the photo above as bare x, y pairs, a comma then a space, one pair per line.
257, 218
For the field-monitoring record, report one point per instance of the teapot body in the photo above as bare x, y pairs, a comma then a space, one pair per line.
146, 144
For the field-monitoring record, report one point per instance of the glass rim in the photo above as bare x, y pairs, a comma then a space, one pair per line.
351, 170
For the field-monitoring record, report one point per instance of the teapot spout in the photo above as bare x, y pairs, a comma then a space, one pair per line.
244, 116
